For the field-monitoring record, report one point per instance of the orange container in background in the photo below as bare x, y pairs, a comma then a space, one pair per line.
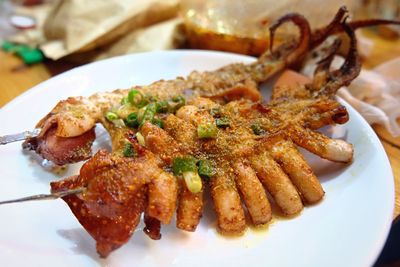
242, 26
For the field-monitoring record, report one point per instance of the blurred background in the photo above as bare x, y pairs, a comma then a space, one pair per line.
84, 31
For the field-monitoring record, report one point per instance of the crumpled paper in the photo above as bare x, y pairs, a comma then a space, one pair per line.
88, 30
161, 36
79, 26
375, 93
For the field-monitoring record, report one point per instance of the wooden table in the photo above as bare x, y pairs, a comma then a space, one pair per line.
15, 79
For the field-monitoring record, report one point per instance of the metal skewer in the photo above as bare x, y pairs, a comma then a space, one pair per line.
18, 137
45, 196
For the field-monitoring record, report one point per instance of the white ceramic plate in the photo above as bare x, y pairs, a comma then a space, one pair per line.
348, 228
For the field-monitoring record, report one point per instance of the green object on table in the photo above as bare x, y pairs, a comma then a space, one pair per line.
28, 54
7, 46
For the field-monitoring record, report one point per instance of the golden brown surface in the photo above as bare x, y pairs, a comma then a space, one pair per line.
16, 79
112, 221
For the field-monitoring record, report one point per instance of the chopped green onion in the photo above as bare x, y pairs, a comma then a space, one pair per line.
184, 164
193, 181
151, 98
162, 106
132, 120
129, 151
149, 112
222, 122
152, 107
124, 101
257, 129
179, 101
215, 112
110, 116
119, 123
187, 167
206, 168
143, 103
140, 139
206, 130
158, 122
137, 99
124, 110
140, 114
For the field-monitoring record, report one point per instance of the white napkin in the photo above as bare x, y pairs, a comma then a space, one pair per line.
375, 93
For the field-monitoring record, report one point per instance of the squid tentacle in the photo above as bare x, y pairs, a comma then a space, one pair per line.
349, 70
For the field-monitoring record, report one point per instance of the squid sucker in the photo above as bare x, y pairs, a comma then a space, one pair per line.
174, 140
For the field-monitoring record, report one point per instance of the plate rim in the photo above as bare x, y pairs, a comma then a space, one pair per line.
111, 60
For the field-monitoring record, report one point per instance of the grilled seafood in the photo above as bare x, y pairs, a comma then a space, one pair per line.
243, 150
251, 149
67, 132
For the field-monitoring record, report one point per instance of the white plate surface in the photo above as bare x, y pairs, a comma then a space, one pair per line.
348, 228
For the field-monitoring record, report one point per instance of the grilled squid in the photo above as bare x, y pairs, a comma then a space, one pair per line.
174, 141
